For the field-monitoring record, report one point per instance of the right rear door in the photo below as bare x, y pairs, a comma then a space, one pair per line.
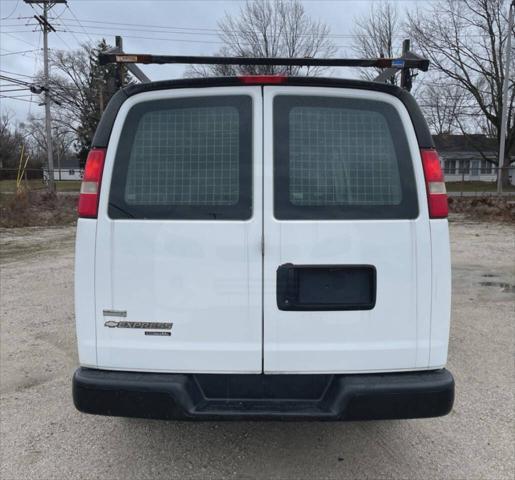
347, 264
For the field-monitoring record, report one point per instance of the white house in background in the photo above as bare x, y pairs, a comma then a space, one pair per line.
65, 169
465, 158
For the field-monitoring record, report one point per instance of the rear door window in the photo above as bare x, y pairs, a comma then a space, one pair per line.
338, 158
188, 158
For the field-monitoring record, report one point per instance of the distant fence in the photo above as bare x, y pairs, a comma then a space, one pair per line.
29, 174
477, 181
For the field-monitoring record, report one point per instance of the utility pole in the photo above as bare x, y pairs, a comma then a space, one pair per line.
46, 27
48, 114
504, 114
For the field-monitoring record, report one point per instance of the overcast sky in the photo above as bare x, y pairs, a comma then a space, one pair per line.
194, 22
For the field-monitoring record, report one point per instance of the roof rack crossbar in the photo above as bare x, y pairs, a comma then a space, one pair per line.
409, 60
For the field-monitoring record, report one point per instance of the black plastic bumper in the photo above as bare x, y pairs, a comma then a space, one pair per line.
217, 397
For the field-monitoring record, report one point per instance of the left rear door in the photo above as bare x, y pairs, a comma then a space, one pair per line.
179, 233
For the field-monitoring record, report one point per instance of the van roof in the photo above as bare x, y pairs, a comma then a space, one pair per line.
237, 81
103, 132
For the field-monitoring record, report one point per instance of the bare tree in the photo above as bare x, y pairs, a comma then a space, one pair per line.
63, 138
80, 88
445, 107
70, 87
11, 142
6, 124
375, 34
465, 42
267, 28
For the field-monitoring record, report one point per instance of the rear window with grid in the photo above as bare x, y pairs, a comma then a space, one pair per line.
341, 158
185, 158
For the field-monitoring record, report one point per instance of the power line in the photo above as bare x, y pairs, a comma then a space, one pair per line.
213, 31
162, 30
16, 96
179, 40
8, 83
145, 38
12, 89
198, 30
14, 80
63, 40
73, 14
19, 99
10, 52
17, 38
16, 25
18, 31
61, 14
194, 30
32, 86
14, 9
149, 28
62, 24
15, 73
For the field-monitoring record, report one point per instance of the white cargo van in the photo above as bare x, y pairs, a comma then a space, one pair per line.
263, 247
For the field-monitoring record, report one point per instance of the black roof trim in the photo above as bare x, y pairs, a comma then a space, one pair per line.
105, 126
103, 132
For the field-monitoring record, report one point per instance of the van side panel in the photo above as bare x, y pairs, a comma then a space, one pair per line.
85, 291
441, 292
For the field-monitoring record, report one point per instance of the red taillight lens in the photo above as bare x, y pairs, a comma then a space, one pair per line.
435, 184
90, 187
258, 79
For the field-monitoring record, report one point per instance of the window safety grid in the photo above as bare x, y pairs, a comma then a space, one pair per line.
341, 156
185, 156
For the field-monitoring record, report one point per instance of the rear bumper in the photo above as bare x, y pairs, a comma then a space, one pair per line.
308, 397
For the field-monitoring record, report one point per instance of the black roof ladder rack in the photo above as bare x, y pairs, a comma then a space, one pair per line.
403, 64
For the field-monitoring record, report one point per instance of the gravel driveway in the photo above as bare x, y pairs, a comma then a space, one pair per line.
43, 437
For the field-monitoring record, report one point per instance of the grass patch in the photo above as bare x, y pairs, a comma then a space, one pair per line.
9, 186
487, 207
37, 208
476, 187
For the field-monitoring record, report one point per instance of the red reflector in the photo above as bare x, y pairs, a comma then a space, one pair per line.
435, 184
90, 188
255, 79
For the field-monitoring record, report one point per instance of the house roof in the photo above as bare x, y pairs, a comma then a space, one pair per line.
465, 143
66, 163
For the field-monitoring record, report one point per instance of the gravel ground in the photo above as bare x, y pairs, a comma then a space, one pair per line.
43, 437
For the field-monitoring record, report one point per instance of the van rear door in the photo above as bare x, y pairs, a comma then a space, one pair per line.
347, 265
178, 276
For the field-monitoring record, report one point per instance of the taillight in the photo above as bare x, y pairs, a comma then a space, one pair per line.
258, 79
435, 184
90, 187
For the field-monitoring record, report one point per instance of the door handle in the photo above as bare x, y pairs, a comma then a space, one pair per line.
326, 287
